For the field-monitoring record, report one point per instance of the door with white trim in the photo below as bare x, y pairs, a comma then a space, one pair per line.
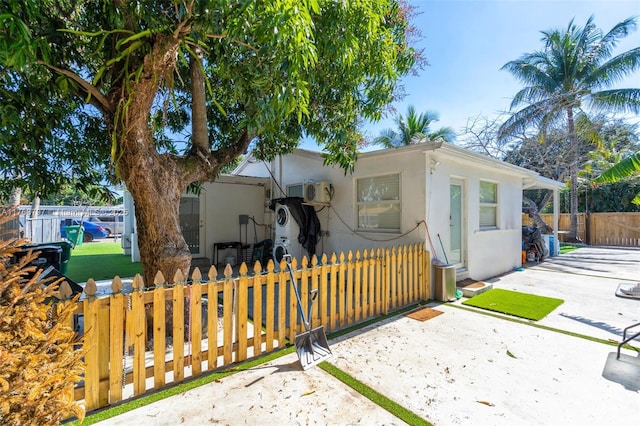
192, 223
456, 252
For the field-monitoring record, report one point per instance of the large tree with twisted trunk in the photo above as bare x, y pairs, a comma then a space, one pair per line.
185, 87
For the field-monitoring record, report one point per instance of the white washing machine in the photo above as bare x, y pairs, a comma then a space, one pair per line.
286, 225
283, 246
287, 230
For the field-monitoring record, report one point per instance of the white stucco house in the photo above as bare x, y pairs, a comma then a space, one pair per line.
465, 206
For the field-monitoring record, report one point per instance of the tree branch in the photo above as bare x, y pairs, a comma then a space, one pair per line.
97, 99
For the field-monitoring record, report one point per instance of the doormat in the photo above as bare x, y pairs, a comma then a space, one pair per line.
424, 314
514, 303
470, 283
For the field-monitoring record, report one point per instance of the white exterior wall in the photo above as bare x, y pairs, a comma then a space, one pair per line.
425, 195
301, 166
488, 252
223, 204
411, 169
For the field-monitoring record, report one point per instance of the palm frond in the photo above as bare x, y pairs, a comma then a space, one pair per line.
623, 169
604, 48
619, 100
411, 128
535, 115
615, 69
387, 139
531, 94
446, 134
528, 70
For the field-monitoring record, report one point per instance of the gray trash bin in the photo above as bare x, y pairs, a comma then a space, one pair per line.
445, 277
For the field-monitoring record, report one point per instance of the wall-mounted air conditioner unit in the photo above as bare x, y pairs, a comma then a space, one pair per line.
317, 192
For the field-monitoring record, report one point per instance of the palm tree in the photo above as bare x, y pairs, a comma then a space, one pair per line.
413, 129
625, 168
575, 69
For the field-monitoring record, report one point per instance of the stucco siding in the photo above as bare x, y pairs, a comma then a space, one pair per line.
488, 252
341, 218
426, 173
224, 203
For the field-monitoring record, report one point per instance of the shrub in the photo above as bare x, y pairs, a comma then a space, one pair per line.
38, 362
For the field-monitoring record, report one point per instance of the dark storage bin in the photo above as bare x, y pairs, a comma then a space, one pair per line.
50, 255
65, 255
52, 260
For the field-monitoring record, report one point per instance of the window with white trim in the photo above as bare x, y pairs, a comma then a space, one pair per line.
488, 205
378, 200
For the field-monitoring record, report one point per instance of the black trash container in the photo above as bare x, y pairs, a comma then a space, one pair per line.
52, 260
50, 255
65, 255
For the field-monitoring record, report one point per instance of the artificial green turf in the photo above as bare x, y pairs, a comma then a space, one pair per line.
514, 303
394, 408
100, 261
566, 248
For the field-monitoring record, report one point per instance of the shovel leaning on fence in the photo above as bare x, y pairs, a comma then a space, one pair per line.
311, 346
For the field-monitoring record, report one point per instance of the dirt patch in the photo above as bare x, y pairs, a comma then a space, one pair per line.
424, 314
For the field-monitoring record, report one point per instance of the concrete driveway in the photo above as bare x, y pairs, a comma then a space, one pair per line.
461, 367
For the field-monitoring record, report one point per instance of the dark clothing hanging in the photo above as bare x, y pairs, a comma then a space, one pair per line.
306, 218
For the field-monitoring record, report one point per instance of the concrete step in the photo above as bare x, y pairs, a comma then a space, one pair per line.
470, 287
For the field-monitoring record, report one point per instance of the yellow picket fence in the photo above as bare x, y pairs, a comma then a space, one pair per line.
136, 340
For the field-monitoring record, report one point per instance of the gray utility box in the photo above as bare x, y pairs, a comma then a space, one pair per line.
445, 277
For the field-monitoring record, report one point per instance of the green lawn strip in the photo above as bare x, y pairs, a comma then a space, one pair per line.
377, 398
524, 305
100, 261
177, 389
566, 248
544, 327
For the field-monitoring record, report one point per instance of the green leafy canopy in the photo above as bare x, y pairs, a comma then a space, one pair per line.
281, 69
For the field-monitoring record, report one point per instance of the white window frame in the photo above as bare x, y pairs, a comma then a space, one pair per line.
295, 190
488, 205
373, 203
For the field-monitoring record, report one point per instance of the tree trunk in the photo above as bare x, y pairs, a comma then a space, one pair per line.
534, 213
156, 181
157, 206
35, 206
200, 132
15, 197
573, 176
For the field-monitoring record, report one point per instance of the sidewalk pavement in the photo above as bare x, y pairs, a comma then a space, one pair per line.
461, 367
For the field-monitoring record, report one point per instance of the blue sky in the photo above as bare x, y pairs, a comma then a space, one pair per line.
466, 42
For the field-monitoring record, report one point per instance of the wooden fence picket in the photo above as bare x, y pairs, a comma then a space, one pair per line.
121, 328
212, 320
242, 313
228, 307
195, 312
257, 309
178, 329
159, 330
117, 348
139, 336
358, 291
